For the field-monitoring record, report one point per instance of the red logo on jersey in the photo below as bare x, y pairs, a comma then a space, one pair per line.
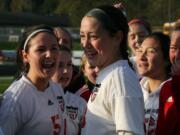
93, 96
95, 91
56, 125
61, 102
72, 112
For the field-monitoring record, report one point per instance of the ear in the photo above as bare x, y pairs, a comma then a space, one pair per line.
24, 56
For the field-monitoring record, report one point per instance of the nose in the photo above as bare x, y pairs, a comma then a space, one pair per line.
65, 70
48, 53
138, 40
141, 55
60, 41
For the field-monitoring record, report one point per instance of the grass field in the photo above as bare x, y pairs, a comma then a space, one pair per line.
8, 45
4, 83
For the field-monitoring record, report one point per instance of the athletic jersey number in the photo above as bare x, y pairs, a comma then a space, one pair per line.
56, 125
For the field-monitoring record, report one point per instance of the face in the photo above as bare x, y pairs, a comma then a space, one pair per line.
42, 55
63, 73
100, 48
136, 35
150, 61
174, 52
63, 38
90, 72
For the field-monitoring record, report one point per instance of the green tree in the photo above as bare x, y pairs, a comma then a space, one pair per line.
49, 6
21, 5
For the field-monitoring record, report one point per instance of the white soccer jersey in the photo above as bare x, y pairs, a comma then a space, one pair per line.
117, 105
151, 102
76, 109
27, 111
1, 133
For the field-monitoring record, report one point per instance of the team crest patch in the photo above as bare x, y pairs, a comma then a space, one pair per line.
93, 96
72, 112
61, 102
95, 92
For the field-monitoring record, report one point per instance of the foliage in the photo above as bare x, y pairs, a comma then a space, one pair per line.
8, 45
156, 11
21, 5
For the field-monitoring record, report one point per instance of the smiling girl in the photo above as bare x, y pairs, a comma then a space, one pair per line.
33, 105
116, 103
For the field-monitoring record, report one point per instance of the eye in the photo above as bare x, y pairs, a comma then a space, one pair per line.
131, 36
151, 51
173, 48
142, 35
82, 36
94, 37
40, 50
55, 48
139, 51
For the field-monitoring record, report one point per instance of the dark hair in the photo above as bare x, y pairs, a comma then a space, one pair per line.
164, 41
113, 20
24, 45
67, 32
64, 48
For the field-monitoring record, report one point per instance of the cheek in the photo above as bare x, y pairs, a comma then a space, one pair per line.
97, 45
172, 56
71, 72
60, 73
91, 74
156, 61
152, 61
87, 72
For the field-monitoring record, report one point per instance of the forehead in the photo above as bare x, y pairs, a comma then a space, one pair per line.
90, 24
43, 37
136, 28
150, 42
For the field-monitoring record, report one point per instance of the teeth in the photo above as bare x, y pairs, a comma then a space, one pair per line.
48, 62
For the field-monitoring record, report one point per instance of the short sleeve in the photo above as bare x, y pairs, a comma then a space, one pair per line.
127, 113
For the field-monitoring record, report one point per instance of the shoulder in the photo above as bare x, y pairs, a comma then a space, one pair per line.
17, 96
74, 99
126, 81
166, 90
56, 88
166, 86
18, 88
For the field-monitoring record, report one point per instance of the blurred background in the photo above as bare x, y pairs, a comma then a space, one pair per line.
16, 15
